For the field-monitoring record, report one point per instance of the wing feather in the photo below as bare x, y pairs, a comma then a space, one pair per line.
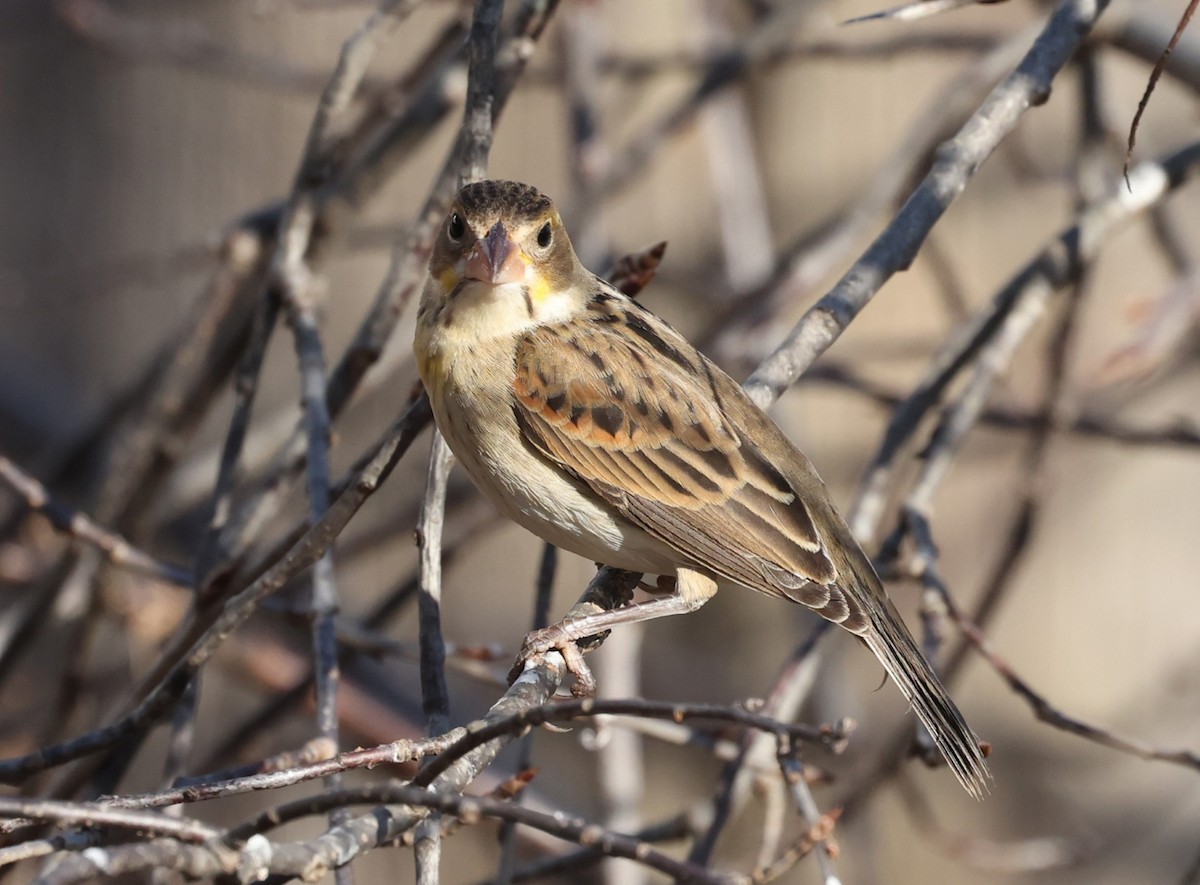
625, 404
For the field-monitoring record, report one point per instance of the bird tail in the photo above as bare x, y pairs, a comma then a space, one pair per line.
893, 645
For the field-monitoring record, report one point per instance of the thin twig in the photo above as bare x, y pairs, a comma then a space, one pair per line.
1005, 417
910, 12
793, 776
470, 809
1043, 709
89, 814
580, 860
116, 549
742, 215
1013, 858
818, 834
725, 69
789, 688
1155, 74
245, 389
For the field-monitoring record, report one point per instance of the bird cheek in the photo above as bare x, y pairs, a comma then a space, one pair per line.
448, 279
540, 289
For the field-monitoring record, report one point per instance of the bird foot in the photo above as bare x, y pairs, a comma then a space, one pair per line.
563, 639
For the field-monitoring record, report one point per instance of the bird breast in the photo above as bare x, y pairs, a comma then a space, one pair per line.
473, 401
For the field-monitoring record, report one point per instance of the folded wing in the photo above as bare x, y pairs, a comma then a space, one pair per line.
636, 413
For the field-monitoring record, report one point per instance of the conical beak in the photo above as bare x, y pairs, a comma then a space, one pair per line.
495, 258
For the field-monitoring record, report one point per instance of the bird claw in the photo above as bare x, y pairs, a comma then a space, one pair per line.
556, 638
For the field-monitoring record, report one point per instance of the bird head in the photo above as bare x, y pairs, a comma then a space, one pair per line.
503, 254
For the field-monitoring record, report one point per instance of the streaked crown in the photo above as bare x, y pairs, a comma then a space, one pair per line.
513, 200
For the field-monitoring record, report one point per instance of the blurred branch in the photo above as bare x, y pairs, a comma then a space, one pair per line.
89, 814
1165, 330
195, 646
956, 162
1144, 32
805, 263
625, 163
187, 44
470, 527
916, 10
1015, 857
116, 550
1003, 417
818, 834
742, 215
1042, 708
793, 775
183, 43
1055, 267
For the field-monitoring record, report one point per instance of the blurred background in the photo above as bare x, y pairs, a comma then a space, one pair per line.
137, 135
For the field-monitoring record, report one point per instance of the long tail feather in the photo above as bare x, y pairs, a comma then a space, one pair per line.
892, 644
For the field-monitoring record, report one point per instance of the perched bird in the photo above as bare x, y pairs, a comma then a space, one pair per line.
598, 427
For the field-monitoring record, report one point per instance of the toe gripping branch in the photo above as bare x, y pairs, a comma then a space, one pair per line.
584, 628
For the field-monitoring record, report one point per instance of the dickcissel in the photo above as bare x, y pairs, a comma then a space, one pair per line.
595, 425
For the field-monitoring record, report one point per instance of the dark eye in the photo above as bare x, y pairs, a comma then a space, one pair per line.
545, 235
456, 228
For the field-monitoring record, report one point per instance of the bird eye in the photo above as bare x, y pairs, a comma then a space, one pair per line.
456, 227
545, 235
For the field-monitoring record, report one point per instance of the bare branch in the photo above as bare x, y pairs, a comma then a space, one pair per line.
116, 549
957, 161
195, 647
1042, 708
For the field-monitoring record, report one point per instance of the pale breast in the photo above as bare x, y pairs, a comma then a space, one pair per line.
474, 411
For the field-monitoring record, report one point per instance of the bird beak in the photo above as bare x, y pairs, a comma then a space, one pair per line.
496, 259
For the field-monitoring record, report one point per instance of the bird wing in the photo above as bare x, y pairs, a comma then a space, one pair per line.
628, 407
623, 403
